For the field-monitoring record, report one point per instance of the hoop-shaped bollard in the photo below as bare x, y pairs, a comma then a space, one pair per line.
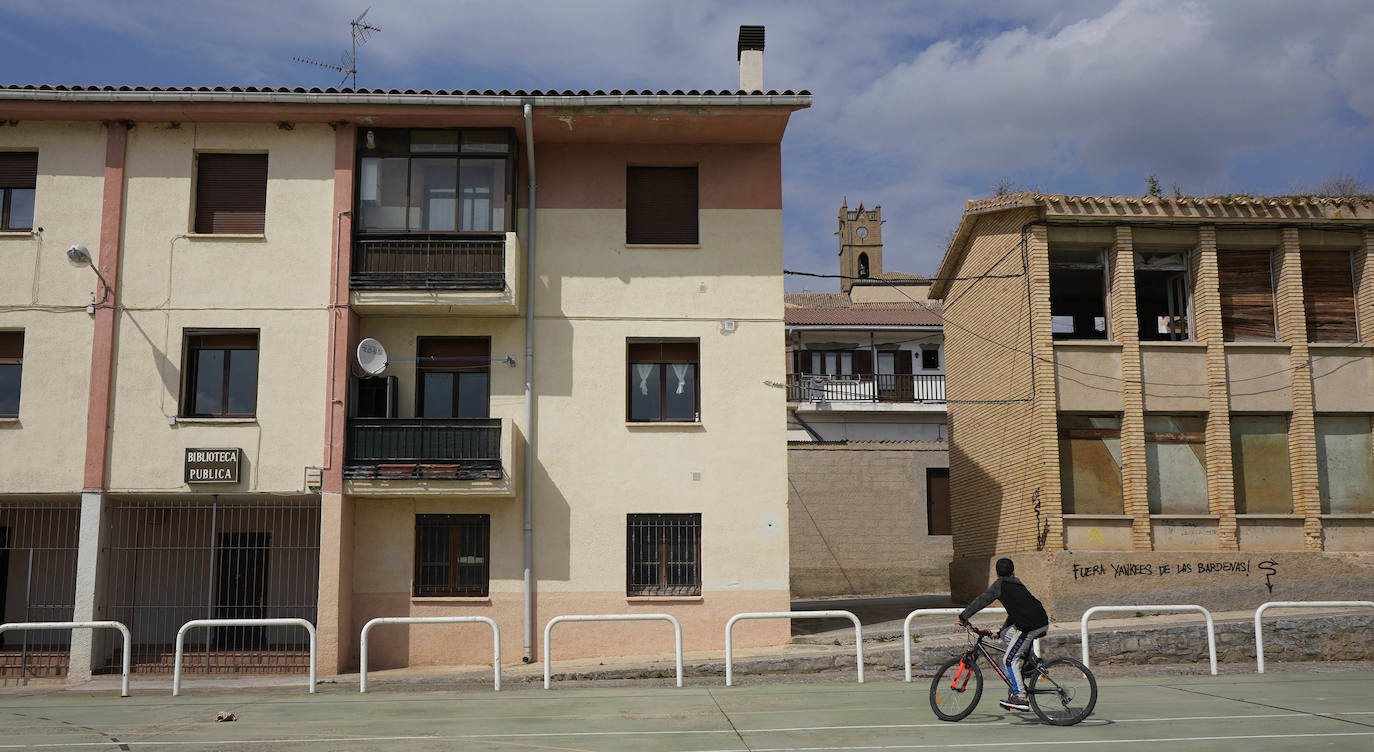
1211, 629
283, 622
1259, 634
495, 641
123, 630
730, 625
906, 630
548, 632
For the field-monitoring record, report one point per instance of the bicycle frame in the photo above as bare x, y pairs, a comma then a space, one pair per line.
982, 647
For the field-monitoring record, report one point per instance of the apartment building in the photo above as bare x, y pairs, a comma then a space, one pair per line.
1162, 399
868, 465
575, 293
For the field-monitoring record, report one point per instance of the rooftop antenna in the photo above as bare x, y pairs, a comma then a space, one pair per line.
361, 32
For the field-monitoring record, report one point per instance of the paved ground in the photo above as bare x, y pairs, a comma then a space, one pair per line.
1274, 711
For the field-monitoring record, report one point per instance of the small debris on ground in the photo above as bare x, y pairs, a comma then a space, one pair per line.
225, 717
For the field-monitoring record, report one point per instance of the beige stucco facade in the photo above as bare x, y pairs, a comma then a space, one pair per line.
1230, 469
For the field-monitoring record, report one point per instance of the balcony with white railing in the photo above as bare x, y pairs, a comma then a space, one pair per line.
398, 273
857, 391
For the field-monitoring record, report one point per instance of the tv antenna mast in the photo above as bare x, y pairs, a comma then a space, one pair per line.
361, 32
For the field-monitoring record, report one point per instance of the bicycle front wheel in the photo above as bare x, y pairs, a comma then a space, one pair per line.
1062, 691
956, 689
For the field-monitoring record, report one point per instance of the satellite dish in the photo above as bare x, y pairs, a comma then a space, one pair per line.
372, 357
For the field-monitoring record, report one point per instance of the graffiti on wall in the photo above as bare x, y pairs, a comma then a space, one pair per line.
1173, 568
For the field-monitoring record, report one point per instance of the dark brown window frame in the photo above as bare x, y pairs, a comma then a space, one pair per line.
12, 354
662, 382
255, 221
189, 368
511, 158
456, 525
12, 183
641, 227
664, 522
421, 368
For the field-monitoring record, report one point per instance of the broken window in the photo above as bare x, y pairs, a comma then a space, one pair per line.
1328, 296
1090, 463
1161, 295
1345, 467
1176, 464
1259, 464
1078, 294
1245, 281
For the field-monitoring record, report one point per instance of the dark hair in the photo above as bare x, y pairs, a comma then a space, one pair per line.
1005, 567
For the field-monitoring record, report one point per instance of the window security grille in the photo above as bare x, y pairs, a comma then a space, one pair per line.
664, 554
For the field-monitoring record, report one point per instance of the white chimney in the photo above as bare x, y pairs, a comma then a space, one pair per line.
750, 56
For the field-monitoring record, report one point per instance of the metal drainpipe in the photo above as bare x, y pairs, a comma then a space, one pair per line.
529, 397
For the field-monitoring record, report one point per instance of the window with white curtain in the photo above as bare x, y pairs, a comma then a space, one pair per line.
663, 381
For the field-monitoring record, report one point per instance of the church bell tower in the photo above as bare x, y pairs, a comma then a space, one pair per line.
861, 243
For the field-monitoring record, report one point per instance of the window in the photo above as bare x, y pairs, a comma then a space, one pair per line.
18, 178
863, 265
1245, 281
663, 381
375, 397
231, 193
937, 501
431, 181
1161, 295
1078, 295
930, 358
1176, 464
1328, 295
663, 554
221, 374
451, 555
661, 205
452, 375
11, 371
1259, 464
837, 362
1345, 467
1090, 463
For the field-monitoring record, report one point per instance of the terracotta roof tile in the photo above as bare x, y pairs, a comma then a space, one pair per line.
437, 92
874, 315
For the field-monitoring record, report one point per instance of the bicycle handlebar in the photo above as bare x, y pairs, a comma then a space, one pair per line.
976, 630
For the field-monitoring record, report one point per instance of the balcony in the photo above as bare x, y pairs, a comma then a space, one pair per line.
411, 455
435, 273
872, 389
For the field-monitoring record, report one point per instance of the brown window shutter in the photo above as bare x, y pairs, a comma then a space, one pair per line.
663, 352
18, 169
231, 193
1329, 296
803, 361
901, 361
661, 205
1246, 286
454, 353
225, 341
863, 362
11, 347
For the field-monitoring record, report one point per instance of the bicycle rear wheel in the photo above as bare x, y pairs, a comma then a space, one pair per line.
1062, 691
955, 693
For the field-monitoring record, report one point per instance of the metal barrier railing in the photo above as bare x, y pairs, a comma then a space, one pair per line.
495, 641
730, 625
1211, 629
906, 630
188, 626
1259, 612
548, 632
123, 630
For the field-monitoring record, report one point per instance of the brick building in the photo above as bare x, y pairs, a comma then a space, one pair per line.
1158, 395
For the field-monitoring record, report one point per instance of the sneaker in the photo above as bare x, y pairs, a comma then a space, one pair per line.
1015, 702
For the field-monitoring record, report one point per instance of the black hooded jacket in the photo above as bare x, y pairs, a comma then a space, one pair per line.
1023, 609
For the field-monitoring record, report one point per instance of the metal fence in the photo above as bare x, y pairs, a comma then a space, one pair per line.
437, 448
429, 262
169, 562
866, 387
38, 548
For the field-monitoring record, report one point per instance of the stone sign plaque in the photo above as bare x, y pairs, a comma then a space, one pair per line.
213, 465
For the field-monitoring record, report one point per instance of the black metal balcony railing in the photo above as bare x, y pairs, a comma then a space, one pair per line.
428, 262
434, 448
882, 387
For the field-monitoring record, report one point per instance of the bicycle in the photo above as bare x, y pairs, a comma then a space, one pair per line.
1062, 691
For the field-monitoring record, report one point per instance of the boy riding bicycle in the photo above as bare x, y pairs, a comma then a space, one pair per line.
1026, 621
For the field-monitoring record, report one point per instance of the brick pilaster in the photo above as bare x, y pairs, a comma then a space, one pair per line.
1302, 439
1221, 489
1134, 482
1045, 423
1364, 286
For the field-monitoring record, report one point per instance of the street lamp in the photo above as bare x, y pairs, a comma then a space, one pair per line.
80, 256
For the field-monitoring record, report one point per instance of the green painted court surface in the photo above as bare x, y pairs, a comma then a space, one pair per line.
1278, 711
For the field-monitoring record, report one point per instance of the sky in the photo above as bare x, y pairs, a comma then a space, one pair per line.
919, 106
